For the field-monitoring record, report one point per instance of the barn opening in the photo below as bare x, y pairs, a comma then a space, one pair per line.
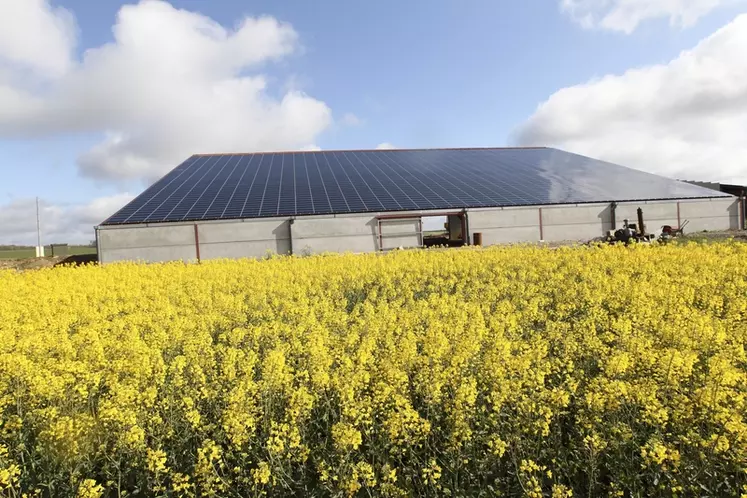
409, 231
443, 230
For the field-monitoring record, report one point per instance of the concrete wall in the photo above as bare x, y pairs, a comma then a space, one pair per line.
505, 225
522, 224
711, 214
701, 214
655, 214
359, 233
577, 222
250, 239
147, 243
172, 242
588, 221
352, 233
400, 233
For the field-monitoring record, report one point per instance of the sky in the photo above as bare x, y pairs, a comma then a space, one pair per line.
99, 99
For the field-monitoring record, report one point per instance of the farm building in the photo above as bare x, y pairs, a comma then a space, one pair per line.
736, 190
246, 205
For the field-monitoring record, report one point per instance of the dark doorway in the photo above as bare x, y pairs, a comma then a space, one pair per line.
445, 231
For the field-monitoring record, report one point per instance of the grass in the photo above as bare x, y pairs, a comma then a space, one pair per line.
30, 252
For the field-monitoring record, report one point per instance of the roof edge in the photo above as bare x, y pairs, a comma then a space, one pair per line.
204, 154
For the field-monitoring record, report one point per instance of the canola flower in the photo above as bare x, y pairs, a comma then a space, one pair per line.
515, 371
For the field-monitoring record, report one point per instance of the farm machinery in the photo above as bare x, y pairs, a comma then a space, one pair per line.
636, 232
668, 232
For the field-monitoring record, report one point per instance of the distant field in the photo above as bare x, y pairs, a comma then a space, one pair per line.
30, 252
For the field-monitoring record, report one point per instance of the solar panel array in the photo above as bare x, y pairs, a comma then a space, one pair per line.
229, 186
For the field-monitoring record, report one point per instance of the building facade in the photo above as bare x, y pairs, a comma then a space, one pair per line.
249, 205
370, 232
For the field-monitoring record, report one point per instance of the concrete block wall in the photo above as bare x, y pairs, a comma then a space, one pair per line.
577, 222
506, 225
400, 233
248, 239
711, 214
359, 233
588, 221
655, 214
701, 214
174, 242
147, 243
352, 233
522, 224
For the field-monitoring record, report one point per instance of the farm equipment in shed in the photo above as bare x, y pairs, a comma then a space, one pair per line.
631, 232
636, 232
668, 232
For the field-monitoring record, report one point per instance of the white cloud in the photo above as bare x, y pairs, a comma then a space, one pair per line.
172, 83
59, 223
36, 36
350, 119
626, 15
686, 119
385, 146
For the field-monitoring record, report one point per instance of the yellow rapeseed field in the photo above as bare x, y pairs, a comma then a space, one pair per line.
605, 371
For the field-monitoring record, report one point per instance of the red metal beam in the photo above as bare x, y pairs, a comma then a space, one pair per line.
542, 228
381, 237
197, 242
465, 239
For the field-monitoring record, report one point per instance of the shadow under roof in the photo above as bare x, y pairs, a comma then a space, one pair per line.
232, 186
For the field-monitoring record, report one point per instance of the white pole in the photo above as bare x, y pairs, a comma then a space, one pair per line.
39, 248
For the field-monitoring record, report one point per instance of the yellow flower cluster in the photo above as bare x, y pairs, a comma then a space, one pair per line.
594, 371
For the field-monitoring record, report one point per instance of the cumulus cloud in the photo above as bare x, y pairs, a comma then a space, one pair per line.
172, 83
350, 119
686, 119
626, 15
59, 223
385, 146
36, 36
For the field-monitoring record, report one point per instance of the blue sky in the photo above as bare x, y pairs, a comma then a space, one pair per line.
412, 74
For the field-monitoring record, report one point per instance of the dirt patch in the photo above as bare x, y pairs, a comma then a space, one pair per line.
29, 263
48, 262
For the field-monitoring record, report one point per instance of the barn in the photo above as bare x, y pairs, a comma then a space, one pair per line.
248, 205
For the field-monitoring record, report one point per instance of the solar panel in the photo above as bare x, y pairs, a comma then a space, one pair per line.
229, 186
